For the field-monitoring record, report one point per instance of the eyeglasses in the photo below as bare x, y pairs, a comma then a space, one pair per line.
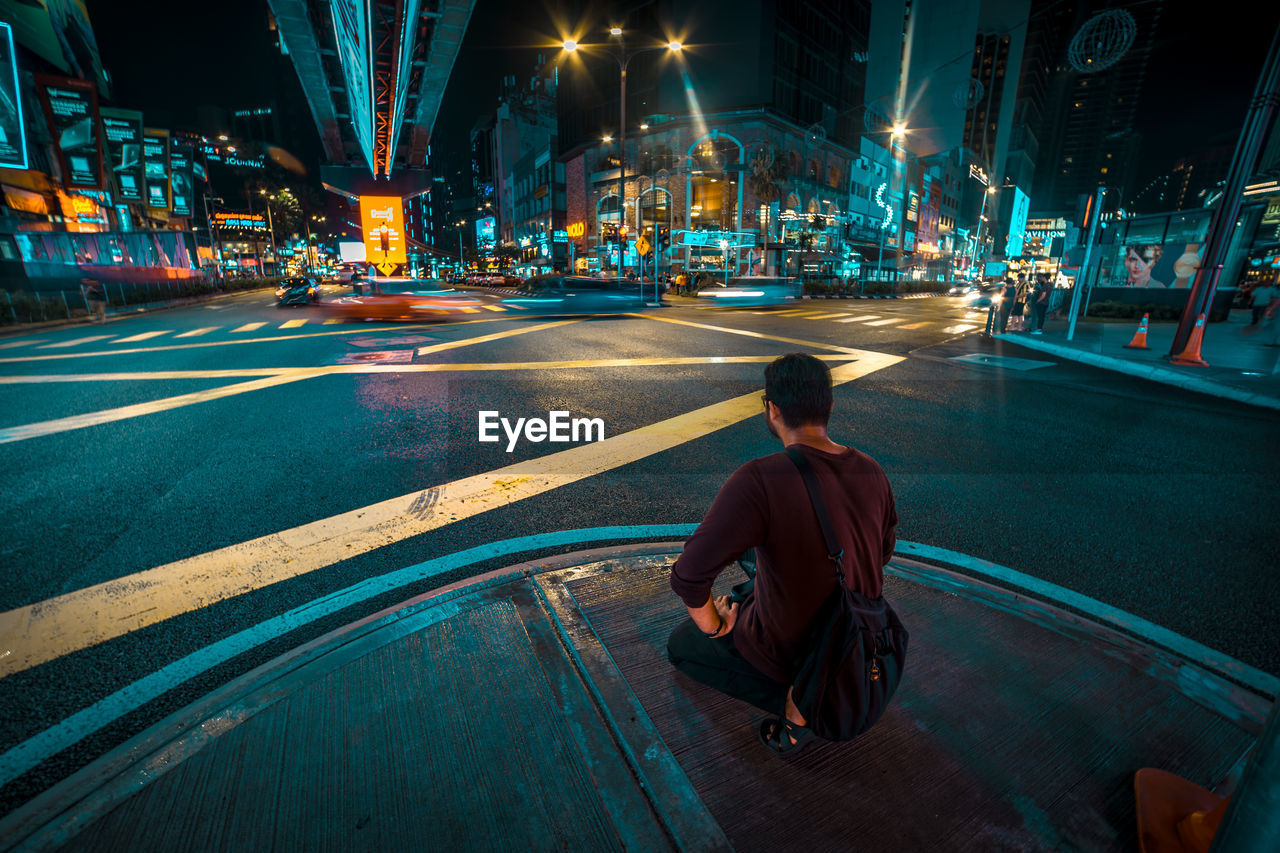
764, 398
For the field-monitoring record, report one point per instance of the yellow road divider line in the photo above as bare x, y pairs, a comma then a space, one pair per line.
363, 330
38, 633
444, 367
496, 336
142, 336
744, 332
19, 433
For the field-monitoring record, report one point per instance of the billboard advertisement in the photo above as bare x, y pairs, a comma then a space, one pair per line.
382, 223
155, 161
485, 229
180, 184
1017, 223
59, 32
13, 139
122, 136
1156, 265
71, 108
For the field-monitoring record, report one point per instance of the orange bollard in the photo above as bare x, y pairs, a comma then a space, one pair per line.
1191, 355
1175, 815
1140, 339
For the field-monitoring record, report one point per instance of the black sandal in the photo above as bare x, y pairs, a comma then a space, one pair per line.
776, 734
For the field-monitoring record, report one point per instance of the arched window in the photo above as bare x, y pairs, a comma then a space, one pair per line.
714, 184
793, 202
655, 209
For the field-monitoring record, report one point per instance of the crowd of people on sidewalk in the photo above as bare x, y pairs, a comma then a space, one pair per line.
1023, 305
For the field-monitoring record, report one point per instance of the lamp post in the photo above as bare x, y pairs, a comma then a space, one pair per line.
275, 254
982, 218
624, 57
461, 263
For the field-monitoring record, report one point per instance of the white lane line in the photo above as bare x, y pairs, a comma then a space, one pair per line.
45, 631
885, 322
494, 337
76, 342
143, 336
195, 333
748, 334
22, 343
248, 327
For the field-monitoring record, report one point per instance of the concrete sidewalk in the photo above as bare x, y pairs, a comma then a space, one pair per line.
1243, 366
533, 708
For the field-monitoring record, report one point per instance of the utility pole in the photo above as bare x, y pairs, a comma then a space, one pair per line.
1094, 214
1261, 117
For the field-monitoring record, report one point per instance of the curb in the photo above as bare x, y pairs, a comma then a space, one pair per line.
1144, 371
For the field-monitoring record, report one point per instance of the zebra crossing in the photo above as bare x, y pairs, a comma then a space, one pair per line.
965, 321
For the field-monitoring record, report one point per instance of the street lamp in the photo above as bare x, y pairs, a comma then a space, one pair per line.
624, 57
461, 263
724, 247
982, 217
275, 254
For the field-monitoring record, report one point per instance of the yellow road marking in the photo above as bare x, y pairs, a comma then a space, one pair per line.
293, 324
195, 333
354, 331
494, 337
249, 327
76, 342
333, 321
859, 319
503, 366
277, 376
26, 343
744, 332
493, 308
19, 433
38, 633
884, 322
918, 325
827, 316
141, 336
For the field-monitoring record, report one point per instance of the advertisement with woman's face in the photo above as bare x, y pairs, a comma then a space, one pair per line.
1155, 265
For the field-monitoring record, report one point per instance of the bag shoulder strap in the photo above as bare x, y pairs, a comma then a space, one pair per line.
834, 552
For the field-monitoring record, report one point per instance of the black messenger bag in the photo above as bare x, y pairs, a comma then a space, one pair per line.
856, 649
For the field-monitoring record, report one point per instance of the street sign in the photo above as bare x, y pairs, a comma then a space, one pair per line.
642, 245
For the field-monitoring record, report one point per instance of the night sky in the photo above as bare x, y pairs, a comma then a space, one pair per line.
1202, 74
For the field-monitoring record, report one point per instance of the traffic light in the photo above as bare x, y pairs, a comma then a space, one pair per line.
1085, 212
661, 239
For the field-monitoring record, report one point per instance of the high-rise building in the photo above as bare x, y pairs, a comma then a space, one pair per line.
1088, 136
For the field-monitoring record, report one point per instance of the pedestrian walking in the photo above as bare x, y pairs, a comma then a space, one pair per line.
1262, 296
1039, 303
1008, 296
95, 298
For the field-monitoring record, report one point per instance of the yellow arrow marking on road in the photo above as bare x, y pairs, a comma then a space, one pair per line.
38, 633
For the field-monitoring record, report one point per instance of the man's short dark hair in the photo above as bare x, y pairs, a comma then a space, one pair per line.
800, 386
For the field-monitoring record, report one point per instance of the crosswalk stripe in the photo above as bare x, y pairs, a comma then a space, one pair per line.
469, 310
143, 336
861, 319
962, 327
493, 308
194, 333
885, 322
293, 324
21, 343
331, 321
917, 325
76, 341
248, 327
826, 316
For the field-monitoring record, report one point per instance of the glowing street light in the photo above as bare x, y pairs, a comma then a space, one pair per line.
570, 44
674, 45
615, 31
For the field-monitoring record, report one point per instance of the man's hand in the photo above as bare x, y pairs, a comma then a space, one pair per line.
728, 611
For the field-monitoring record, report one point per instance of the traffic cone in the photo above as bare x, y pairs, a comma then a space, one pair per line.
1191, 355
1175, 815
1140, 339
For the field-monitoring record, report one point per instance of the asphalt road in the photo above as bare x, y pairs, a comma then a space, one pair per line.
250, 433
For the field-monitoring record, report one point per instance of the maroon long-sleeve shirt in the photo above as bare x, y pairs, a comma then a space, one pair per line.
765, 506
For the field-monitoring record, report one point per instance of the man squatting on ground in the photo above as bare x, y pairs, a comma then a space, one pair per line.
751, 650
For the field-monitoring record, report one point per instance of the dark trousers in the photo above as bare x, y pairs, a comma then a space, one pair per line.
718, 663
1038, 310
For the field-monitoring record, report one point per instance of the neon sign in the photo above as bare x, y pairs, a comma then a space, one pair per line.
576, 229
